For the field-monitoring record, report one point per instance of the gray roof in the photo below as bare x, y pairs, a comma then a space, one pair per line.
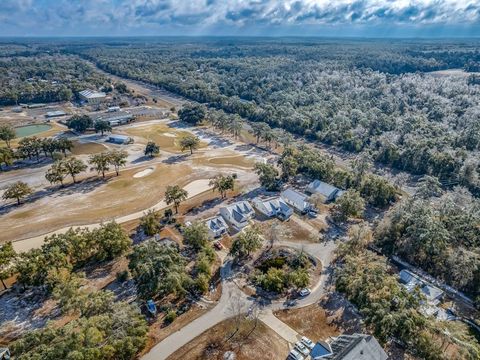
411, 281
296, 199
216, 223
274, 204
119, 137
322, 188
240, 211
92, 94
356, 347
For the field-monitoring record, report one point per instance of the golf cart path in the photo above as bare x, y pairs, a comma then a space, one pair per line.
233, 300
193, 188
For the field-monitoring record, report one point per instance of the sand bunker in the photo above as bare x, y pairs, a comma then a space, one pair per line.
144, 172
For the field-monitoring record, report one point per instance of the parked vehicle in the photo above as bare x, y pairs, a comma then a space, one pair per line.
304, 292
151, 307
307, 342
302, 348
218, 245
295, 355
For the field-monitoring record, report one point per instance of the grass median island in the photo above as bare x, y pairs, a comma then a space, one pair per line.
279, 271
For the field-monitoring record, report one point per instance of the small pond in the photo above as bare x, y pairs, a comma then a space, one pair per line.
30, 130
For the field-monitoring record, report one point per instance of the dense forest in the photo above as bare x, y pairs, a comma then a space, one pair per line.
45, 78
359, 96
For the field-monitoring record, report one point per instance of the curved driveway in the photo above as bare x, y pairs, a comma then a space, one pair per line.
234, 301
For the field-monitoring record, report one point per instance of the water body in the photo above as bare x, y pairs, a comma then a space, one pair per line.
30, 130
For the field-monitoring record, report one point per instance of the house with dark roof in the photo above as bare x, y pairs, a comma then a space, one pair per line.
297, 200
238, 215
273, 207
349, 347
326, 191
216, 226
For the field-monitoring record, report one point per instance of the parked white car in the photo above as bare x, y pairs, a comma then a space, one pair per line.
307, 342
302, 348
304, 292
295, 355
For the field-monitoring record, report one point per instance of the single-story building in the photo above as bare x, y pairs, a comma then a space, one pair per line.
238, 214
349, 347
92, 96
56, 113
297, 200
273, 206
216, 226
120, 139
326, 191
117, 118
412, 281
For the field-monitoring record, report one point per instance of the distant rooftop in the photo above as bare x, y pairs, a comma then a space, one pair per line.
92, 94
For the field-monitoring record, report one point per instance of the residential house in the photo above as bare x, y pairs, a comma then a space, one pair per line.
273, 206
326, 191
92, 96
238, 214
120, 139
412, 281
297, 200
349, 347
216, 226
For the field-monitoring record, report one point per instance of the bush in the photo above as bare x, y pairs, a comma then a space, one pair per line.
170, 317
202, 283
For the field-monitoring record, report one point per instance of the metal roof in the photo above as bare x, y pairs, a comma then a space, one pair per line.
92, 94
322, 188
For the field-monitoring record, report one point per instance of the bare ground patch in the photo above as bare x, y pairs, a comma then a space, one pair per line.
262, 342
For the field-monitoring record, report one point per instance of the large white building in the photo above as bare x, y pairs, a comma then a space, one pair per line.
92, 96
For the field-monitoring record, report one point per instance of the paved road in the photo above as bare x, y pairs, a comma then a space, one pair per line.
234, 301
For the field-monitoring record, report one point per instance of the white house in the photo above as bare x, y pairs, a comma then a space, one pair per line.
216, 226
412, 281
120, 139
92, 96
297, 200
238, 214
327, 191
273, 206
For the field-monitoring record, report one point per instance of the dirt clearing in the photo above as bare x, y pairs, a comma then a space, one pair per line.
262, 342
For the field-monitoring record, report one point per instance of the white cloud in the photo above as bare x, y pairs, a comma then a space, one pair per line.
121, 15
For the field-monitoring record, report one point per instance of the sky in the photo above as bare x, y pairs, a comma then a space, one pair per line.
362, 18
